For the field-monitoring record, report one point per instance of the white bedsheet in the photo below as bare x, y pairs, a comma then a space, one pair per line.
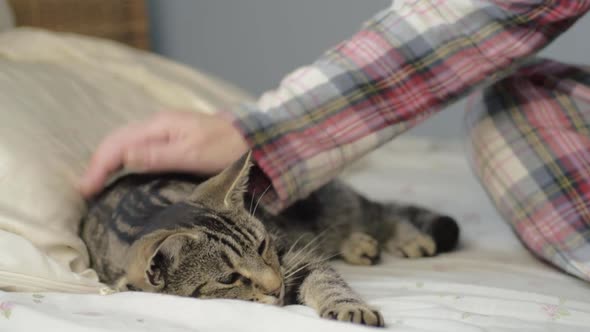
491, 283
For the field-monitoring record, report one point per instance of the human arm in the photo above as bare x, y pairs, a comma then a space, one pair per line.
408, 62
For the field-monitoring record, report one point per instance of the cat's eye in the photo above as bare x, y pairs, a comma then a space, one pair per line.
229, 279
262, 247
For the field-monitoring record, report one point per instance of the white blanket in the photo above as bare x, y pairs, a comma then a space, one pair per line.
491, 283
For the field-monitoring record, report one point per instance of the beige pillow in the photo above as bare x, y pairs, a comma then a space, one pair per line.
6, 16
59, 95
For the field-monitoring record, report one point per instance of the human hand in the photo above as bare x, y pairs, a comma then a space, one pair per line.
169, 141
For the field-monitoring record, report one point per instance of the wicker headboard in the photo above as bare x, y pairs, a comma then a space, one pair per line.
121, 20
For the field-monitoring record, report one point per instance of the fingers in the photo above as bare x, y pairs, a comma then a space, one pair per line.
160, 157
172, 141
110, 155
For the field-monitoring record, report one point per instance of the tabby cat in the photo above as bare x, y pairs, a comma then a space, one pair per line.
183, 235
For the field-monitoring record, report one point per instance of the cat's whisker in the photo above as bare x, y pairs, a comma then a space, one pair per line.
295, 263
329, 257
311, 241
309, 264
303, 250
316, 260
295, 272
297, 241
294, 244
279, 237
252, 201
301, 256
259, 198
315, 238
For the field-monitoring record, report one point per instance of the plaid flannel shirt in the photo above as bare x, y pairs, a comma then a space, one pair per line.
407, 62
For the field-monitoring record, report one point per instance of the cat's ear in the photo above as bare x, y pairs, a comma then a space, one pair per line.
154, 258
227, 187
163, 259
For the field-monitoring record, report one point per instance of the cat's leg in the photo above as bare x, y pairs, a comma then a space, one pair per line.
335, 214
406, 231
358, 227
409, 242
319, 286
360, 248
309, 280
419, 232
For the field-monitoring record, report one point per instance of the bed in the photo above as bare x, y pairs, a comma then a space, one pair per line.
490, 283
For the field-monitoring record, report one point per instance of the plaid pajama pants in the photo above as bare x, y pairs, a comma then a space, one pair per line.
530, 148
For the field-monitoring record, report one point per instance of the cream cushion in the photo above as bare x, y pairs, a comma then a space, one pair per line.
59, 95
6, 16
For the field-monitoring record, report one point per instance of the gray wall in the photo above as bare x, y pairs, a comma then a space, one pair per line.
254, 43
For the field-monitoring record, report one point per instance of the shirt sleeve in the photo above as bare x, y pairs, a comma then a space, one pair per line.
407, 62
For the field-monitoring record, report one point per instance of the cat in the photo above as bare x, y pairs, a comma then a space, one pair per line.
189, 236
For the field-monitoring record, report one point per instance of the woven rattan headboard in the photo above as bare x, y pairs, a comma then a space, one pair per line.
121, 20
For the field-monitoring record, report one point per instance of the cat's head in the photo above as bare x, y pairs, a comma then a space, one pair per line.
223, 252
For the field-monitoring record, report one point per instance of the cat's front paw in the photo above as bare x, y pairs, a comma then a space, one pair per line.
360, 249
353, 312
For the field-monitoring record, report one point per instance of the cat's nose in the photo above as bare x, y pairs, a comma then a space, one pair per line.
270, 300
269, 281
276, 292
